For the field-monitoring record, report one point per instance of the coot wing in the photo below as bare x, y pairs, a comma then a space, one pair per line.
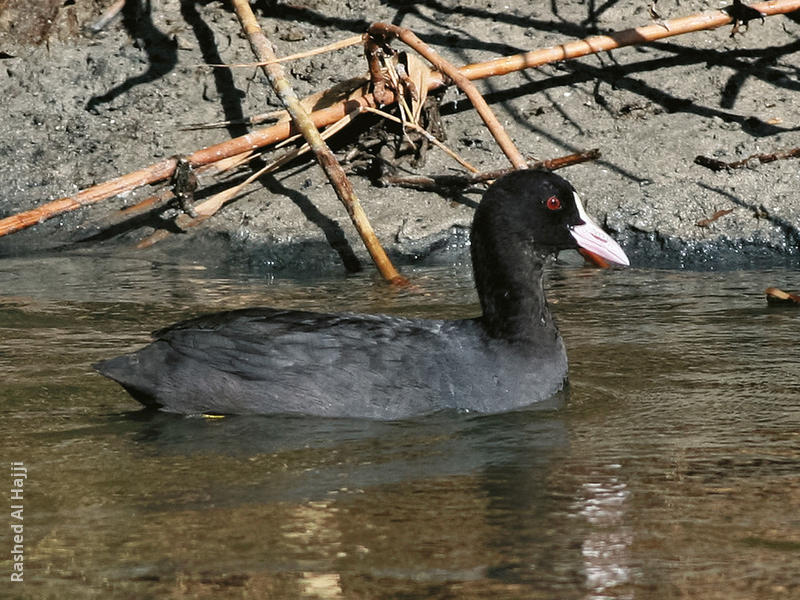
266, 360
253, 343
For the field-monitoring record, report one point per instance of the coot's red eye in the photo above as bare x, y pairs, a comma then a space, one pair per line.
553, 203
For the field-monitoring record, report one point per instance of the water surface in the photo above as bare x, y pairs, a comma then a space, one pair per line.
670, 468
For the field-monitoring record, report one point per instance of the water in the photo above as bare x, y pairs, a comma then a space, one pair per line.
670, 469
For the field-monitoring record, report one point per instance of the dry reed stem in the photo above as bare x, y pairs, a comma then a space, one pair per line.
156, 172
628, 37
280, 131
210, 206
254, 120
351, 41
264, 52
340, 92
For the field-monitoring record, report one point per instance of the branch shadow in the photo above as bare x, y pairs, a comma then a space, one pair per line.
746, 64
230, 95
594, 12
789, 229
619, 76
298, 13
761, 69
333, 232
162, 52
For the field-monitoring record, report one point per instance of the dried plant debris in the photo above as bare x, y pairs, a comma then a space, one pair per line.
719, 165
384, 146
779, 297
184, 184
407, 80
718, 214
742, 15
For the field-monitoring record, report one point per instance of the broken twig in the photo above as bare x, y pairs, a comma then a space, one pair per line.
719, 165
108, 15
718, 214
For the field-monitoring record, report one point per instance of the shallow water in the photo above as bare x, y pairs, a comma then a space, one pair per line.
670, 469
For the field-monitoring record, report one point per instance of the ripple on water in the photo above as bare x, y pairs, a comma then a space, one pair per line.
669, 468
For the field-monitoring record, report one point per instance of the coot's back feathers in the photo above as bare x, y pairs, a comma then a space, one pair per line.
263, 360
373, 366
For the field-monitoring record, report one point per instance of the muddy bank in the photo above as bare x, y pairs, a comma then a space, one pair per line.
83, 108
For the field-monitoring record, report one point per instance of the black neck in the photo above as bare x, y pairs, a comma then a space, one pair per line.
508, 278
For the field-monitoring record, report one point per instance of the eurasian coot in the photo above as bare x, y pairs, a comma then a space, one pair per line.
263, 360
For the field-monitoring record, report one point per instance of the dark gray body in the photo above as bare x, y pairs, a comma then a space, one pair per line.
261, 361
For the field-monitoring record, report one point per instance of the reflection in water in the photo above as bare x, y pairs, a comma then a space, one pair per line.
314, 525
606, 548
668, 470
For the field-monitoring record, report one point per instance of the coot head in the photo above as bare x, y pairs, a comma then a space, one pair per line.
531, 208
523, 218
